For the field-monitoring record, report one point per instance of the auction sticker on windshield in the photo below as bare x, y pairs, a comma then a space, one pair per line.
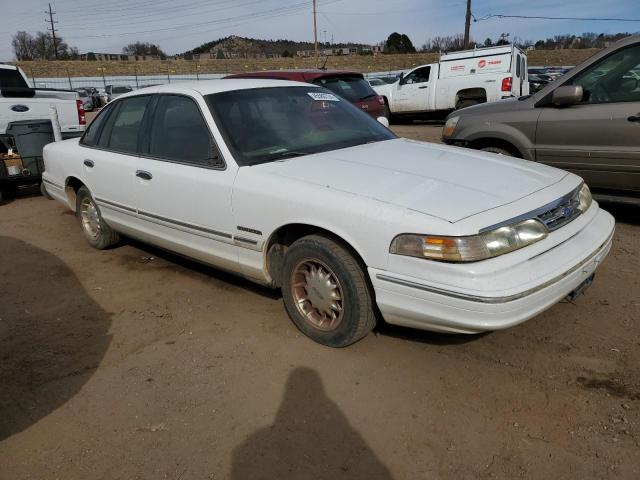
326, 97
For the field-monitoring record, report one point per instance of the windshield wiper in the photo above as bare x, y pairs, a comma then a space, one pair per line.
369, 96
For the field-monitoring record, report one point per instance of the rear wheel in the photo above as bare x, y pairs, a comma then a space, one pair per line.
326, 292
386, 111
466, 103
95, 229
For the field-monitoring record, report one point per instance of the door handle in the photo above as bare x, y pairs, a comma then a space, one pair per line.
634, 118
88, 163
422, 88
143, 175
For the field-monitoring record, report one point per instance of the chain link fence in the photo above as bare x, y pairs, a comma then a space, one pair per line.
133, 81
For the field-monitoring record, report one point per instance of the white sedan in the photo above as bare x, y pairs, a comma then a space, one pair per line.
292, 187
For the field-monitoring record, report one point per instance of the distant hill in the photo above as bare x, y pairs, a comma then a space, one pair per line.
242, 47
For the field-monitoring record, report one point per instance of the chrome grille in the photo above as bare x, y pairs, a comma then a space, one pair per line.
562, 212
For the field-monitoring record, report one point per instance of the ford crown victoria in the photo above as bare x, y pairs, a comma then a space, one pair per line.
293, 187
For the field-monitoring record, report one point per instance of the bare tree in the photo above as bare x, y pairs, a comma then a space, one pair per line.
23, 45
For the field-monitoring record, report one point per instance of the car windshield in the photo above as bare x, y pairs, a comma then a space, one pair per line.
268, 124
352, 87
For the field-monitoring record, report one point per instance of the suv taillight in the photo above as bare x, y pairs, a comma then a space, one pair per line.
507, 83
81, 118
380, 99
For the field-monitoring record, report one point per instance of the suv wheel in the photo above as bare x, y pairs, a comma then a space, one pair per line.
95, 229
326, 292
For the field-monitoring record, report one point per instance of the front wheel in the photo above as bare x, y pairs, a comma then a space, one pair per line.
95, 229
498, 150
326, 292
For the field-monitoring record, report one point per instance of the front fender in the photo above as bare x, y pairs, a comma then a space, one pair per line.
504, 132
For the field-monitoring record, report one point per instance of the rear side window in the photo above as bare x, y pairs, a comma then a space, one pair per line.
123, 127
352, 88
10, 78
92, 134
180, 133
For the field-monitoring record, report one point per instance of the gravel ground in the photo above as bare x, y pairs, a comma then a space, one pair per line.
132, 363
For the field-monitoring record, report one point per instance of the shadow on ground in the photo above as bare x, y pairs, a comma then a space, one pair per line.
310, 438
52, 335
623, 212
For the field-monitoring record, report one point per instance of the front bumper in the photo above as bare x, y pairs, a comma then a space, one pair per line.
413, 303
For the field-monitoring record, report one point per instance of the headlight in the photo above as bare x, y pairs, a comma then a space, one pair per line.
450, 127
473, 248
585, 198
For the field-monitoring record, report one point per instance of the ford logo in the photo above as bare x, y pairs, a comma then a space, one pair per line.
567, 211
19, 108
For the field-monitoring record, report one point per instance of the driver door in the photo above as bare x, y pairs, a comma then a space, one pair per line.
598, 139
412, 94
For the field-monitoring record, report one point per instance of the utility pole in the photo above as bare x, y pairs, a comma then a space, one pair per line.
315, 28
53, 30
467, 25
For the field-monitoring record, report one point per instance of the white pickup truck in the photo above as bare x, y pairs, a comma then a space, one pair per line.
458, 80
19, 101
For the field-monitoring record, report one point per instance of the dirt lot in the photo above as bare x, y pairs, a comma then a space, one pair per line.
132, 363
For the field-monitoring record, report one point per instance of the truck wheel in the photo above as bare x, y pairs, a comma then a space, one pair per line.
466, 103
498, 150
326, 292
95, 229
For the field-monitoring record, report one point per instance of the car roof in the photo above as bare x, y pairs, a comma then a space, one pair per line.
303, 73
207, 87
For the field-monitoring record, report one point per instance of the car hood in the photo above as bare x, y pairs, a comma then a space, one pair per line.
446, 182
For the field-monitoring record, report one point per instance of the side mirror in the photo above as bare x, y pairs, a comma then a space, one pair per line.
383, 121
401, 79
567, 95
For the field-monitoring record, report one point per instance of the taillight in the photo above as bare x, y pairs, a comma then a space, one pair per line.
507, 83
380, 99
81, 118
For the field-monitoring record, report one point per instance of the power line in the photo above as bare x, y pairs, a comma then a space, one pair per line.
536, 17
53, 31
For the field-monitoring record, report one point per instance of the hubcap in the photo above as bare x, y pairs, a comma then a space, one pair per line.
90, 218
318, 294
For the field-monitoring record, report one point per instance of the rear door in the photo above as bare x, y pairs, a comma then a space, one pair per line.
412, 91
599, 139
110, 158
184, 185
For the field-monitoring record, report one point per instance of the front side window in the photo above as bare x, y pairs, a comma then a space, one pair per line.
421, 75
612, 79
354, 88
123, 127
268, 124
180, 133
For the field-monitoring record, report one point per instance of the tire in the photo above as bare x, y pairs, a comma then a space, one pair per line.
498, 150
43, 191
95, 229
312, 266
386, 111
466, 103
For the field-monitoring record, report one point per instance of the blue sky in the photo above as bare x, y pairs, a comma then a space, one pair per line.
178, 25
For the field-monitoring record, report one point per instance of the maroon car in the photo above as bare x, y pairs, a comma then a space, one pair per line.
351, 86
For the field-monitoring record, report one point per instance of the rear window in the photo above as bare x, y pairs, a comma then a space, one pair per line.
10, 78
121, 89
352, 88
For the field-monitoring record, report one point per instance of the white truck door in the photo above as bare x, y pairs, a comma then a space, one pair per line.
412, 91
184, 187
